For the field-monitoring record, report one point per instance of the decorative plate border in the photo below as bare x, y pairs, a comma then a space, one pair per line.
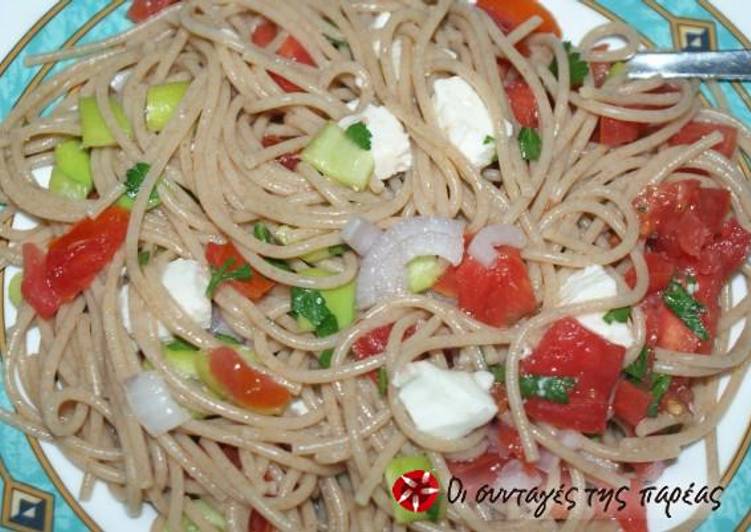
33, 496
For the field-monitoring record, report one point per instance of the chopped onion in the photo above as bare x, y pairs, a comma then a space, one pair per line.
569, 438
383, 271
548, 461
360, 234
482, 247
218, 324
152, 403
514, 475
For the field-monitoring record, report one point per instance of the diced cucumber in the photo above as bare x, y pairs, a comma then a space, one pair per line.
161, 103
335, 155
67, 187
74, 161
14, 289
181, 360
93, 128
400, 465
207, 377
324, 253
340, 301
424, 272
210, 514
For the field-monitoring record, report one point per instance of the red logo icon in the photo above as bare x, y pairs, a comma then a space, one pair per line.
416, 491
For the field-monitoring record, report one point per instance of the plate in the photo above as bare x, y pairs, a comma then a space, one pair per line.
39, 485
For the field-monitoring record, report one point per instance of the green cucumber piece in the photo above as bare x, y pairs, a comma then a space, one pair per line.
340, 301
337, 156
424, 272
74, 161
210, 514
161, 103
67, 187
404, 464
324, 253
94, 130
14, 289
207, 377
181, 360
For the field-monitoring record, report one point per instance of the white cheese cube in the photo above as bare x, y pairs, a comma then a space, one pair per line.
445, 403
590, 284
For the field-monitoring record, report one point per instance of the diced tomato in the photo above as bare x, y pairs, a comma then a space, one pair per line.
140, 10
290, 49
447, 284
508, 15
600, 71
523, 103
680, 391
727, 252
614, 132
288, 160
633, 516
498, 391
568, 349
36, 287
648, 471
509, 441
694, 131
630, 403
375, 342
258, 523
232, 453
499, 296
483, 470
657, 204
711, 206
665, 329
254, 288
661, 271
246, 386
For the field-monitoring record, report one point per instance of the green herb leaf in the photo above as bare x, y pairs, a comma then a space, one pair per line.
637, 370
337, 43
578, 68
621, 315
178, 344
338, 250
499, 372
530, 144
324, 359
225, 273
383, 380
488, 139
688, 309
359, 134
227, 339
262, 233
309, 304
133, 180
553, 389
660, 385
144, 257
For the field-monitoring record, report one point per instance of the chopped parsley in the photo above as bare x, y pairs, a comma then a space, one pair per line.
621, 315
262, 233
144, 257
688, 309
637, 370
133, 180
383, 381
359, 134
660, 385
338, 250
578, 68
530, 144
309, 304
488, 139
552, 388
324, 359
226, 273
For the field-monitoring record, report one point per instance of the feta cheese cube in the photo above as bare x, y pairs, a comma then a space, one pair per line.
392, 152
463, 117
298, 407
445, 403
186, 281
590, 284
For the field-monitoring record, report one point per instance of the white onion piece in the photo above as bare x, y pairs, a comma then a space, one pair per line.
152, 403
482, 247
548, 461
218, 324
383, 272
360, 234
514, 475
569, 438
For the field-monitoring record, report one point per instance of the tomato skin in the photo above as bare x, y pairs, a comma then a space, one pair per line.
510, 442
483, 470
140, 10
290, 49
660, 269
254, 288
499, 296
35, 286
665, 329
694, 131
288, 160
568, 349
630, 402
246, 386
258, 523
75, 258
523, 103
374, 343
508, 15
614, 132
728, 252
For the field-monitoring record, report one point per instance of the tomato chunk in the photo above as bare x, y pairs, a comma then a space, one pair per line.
288, 160
631, 403
254, 288
374, 343
568, 349
140, 10
499, 296
290, 49
36, 287
665, 329
694, 131
614, 132
246, 386
508, 15
483, 470
523, 103
660, 269
258, 523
